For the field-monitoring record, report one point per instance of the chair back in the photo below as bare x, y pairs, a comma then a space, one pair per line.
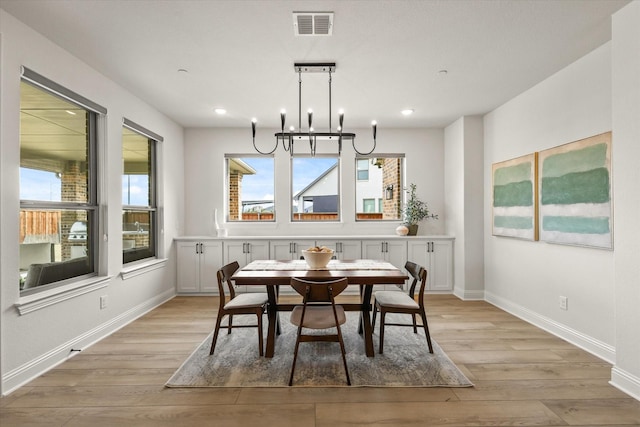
224, 278
319, 291
418, 274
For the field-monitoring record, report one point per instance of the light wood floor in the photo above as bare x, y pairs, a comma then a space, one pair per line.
523, 376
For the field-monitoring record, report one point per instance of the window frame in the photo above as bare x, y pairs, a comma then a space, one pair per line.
149, 252
380, 200
94, 114
227, 204
337, 167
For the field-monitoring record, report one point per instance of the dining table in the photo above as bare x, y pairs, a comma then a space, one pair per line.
364, 273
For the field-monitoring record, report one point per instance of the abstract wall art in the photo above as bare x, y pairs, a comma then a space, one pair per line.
575, 204
514, 201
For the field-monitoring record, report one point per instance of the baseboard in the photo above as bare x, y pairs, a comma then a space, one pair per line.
23, 374
597, 348
474, 295
625, 382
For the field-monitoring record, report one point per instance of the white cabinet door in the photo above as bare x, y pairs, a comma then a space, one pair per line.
289, 249
198, 263
188, 266
344, 249
441, 266
210, 263
257, 249
245, 251
437, 257
393, 251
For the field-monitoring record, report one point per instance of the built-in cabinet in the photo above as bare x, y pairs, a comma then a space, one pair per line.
343, 249
437, 257
393, 251
199, 259
289, 249
245, 251
198, 262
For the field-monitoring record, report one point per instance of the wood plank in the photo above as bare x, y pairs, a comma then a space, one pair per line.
522, 376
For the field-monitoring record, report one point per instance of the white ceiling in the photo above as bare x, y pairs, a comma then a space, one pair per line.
240, 54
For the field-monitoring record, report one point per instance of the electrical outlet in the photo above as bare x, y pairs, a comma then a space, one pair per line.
563, 301
103, 302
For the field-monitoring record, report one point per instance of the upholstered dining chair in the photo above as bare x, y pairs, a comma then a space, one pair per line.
401, 302
318, 311
238, 304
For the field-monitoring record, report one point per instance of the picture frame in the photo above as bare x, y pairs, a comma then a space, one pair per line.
514, 197
576, 193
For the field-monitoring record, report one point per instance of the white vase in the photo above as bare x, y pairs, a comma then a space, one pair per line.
402, 230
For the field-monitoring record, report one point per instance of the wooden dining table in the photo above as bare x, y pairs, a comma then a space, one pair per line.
362, 272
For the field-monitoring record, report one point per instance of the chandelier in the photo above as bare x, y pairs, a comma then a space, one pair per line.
288, 138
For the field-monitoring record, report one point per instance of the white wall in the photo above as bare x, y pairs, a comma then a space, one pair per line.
36, 341
204, 179
626, 152
464, 203
527, 277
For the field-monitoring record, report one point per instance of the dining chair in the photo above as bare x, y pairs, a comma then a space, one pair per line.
401, 302
237, 304
318, 311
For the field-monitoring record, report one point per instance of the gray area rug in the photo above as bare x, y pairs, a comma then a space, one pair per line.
406, 361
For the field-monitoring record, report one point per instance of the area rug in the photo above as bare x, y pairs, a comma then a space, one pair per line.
406, 361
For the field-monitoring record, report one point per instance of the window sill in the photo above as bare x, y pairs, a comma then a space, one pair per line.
142, 267
40, 300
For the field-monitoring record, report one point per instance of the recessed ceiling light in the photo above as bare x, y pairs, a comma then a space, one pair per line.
443, 72
183, 70
407, 112
220, 111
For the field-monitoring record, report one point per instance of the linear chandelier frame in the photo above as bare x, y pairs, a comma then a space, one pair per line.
288, 138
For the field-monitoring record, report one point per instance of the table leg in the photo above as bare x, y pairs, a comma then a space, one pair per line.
365, 319
272, 313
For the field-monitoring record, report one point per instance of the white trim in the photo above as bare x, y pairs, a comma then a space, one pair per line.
625, 382
142, 268
18, 377
471, 295
40, 300
597, 348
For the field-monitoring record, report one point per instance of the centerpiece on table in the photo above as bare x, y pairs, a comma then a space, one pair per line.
414, 211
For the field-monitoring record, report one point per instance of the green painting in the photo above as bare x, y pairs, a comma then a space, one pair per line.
514, 198
575, 193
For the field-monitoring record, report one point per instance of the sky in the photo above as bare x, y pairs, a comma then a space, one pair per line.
261, 185
46, 186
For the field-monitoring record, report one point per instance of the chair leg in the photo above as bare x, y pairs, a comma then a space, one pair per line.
382, 315
230, 323
295, 355
426, 331
415, 325
344, 356
373, 319
260, 351
215, 333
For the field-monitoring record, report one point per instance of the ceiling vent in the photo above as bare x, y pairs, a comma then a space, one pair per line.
313, 23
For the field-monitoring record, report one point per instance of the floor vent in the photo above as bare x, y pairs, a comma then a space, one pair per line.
313, 23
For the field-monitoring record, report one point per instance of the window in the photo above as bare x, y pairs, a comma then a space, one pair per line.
378, 197
250, 188
58, 184
362, 169
368, 205
315, 188
139, 206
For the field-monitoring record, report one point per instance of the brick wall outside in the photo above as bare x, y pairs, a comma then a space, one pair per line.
391, 176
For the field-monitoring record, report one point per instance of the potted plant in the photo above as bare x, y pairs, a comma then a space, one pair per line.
414, 211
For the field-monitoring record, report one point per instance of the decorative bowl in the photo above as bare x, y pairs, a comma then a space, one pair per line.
317, 259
